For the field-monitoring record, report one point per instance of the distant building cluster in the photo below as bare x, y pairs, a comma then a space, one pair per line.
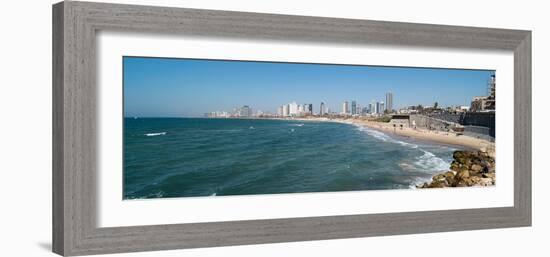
375, 108
244, 111
295, 110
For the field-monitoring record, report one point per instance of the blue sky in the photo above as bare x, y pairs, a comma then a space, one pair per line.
161, 87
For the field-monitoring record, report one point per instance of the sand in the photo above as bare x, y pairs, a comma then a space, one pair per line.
442, 137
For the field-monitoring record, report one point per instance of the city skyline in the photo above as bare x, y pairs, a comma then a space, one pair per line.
160, 87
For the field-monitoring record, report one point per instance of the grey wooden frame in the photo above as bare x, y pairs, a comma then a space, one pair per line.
75, 25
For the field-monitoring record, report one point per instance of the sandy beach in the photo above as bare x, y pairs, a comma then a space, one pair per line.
449, 138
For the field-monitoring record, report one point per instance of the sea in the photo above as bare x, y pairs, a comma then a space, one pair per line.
195, 157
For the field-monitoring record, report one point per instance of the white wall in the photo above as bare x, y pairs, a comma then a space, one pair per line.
25, 128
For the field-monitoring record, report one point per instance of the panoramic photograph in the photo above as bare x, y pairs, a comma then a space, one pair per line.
211, 128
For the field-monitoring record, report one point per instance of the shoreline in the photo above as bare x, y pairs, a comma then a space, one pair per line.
447, 138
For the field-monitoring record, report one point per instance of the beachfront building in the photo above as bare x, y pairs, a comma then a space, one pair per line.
293, 109
322, 109
389, 102
245, 111
308, 109
217, 114
280, 111
382, 107
301, 110
286, 110
353, 107
345, 107
485, 103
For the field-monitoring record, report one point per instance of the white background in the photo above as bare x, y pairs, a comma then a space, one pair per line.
25, 128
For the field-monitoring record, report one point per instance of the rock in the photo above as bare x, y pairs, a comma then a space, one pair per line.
476, 168
469, 168
450, 177
439, 177
455, 166
475, 180
460, 183
438, 184
425, 185
458, 155
486, 182
449, 174
463, 174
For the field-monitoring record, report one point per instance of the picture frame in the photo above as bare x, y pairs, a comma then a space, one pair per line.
75, 25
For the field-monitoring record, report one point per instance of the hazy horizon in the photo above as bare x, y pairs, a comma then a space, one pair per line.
165, 87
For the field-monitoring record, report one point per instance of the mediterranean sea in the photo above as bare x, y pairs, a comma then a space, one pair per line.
191, 157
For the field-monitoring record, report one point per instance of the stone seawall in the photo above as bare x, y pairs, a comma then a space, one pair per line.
474, 119
480, 119
431, 123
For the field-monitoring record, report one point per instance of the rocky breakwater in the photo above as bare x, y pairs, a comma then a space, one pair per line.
469, 168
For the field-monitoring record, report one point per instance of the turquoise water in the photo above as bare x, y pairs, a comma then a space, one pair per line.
182, 157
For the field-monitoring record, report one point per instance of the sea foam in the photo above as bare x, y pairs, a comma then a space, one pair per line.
383, 137
428, 162
155, 134
297, 125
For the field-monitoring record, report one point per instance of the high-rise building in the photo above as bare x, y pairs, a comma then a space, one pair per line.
245, 111
308, 109
286, 110
353, 107
358, 110
382, 107
293, 109
389, 101
280, 111
322, 110
371, 108
345, 107
377, 108
301, 109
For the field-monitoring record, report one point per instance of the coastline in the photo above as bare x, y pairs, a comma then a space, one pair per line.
448, 138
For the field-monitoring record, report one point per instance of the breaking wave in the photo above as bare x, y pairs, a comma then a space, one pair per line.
155, 134
431, 163
383, 137
426, 163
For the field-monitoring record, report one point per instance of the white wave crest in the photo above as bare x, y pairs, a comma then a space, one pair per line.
430, 163
155, 134
296, 125
383, 137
